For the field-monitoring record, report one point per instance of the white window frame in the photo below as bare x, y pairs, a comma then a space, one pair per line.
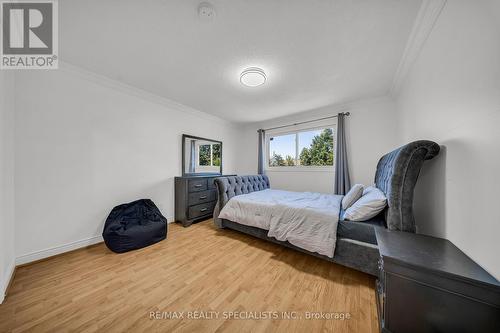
206, 168
296, 130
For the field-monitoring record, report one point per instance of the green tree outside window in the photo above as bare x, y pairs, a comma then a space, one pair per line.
319, 153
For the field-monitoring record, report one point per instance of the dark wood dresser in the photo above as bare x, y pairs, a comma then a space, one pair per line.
195, 198
427, 284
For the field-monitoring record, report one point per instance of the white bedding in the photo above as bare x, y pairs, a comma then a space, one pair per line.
305, 219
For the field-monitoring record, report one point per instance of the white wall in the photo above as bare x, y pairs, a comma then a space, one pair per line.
371, 132
85, 144
7, 250
452, 96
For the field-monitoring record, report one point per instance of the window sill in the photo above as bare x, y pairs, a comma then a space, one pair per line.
300, 169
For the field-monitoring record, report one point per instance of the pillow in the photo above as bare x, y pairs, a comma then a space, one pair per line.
369, 189
369, 205
352, 196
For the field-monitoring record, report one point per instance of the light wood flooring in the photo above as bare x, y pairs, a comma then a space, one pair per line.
198, 268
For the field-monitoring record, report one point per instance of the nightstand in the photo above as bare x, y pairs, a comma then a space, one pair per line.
427, 284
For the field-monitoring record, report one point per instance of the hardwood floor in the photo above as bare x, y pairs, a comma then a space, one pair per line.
198, 268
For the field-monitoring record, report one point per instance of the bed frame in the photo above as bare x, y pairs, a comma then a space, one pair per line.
396, 176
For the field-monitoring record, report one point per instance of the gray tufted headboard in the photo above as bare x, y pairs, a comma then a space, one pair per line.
396, 176
228, 187
231, 186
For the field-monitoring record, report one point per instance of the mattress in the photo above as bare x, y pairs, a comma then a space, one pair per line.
360, 231
260, 208
305, 219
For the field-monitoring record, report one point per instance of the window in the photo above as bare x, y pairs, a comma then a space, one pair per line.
209, 155
302, 148
283, 150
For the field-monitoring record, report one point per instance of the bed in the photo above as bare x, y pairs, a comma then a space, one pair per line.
354, 243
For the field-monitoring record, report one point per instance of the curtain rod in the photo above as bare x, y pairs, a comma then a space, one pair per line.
305, 122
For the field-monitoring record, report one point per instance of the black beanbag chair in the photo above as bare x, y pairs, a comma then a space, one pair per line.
133, 226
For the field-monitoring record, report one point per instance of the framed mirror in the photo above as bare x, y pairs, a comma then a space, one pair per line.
201, 156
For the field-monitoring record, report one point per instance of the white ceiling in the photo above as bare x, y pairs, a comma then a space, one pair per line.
314, 52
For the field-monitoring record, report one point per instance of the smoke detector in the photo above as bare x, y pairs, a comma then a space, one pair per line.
206, 11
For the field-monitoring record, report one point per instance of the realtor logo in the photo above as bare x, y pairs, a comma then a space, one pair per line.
29, 34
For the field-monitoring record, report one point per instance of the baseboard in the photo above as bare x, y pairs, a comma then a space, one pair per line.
50, 252
47, 253
7, 280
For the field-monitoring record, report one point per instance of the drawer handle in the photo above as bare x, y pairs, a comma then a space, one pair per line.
203, 209
197, 185
203, 197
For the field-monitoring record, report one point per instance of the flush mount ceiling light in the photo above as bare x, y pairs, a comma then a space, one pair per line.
253, 77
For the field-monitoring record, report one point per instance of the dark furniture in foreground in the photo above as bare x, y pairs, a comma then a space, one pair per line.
427, 284
133, 226
195, 198
396, 176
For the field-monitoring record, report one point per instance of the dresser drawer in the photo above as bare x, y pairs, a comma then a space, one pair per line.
201, 197
201, 210
211, 183
197, 185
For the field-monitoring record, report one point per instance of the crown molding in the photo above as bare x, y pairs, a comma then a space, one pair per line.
424, 23
137, 92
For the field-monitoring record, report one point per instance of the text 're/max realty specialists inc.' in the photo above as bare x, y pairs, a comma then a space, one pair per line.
247, 315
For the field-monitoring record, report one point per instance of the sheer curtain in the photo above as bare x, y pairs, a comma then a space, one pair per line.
342, 179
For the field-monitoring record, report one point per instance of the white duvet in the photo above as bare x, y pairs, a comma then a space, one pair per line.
305, 219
